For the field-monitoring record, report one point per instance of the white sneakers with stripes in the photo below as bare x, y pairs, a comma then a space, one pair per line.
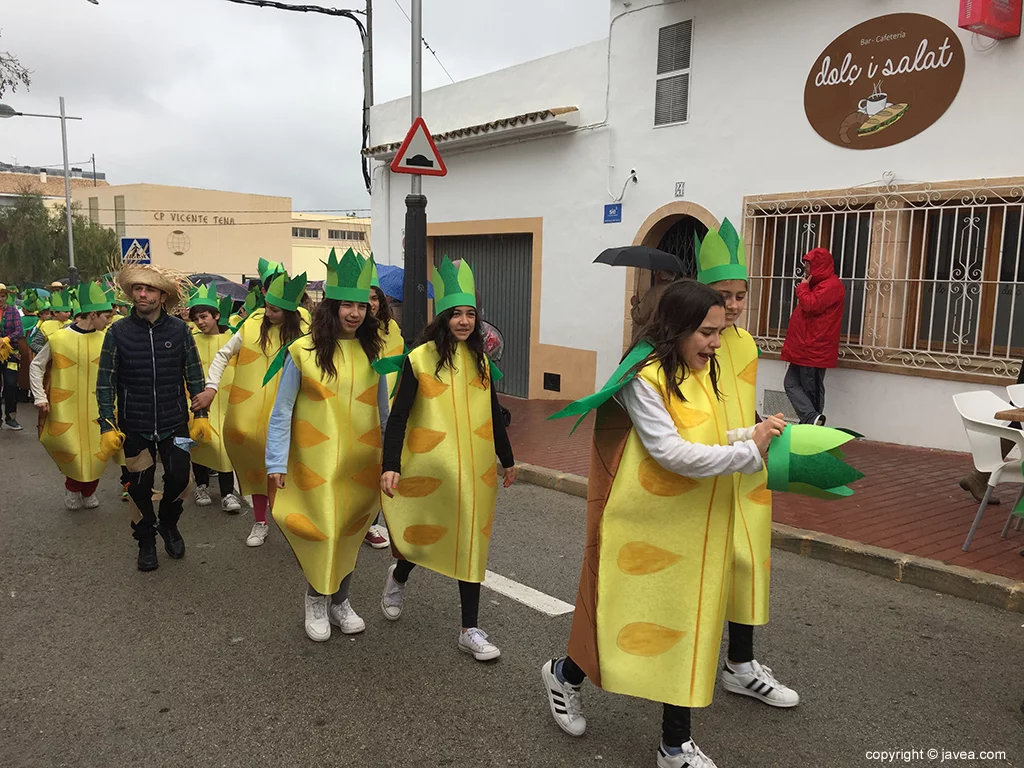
758, 683
565, 700
689, 757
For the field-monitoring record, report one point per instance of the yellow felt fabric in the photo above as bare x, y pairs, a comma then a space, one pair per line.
71, 434
250, 404
442, 515
214, 454
665, 562
50, 327
748, 601
332, 491
394, 345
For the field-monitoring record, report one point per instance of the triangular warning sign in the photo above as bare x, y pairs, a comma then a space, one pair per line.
419, 154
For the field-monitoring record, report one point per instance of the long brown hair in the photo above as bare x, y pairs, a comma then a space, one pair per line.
681, 312
291, 329
325, 333
446, 343
384, 316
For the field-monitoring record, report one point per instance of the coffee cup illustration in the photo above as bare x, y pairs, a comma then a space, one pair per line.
874, 104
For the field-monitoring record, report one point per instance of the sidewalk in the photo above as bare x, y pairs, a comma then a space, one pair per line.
909, 500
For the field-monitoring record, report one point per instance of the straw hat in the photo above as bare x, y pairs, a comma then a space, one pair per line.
172, 282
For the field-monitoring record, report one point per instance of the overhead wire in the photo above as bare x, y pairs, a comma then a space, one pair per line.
426, 44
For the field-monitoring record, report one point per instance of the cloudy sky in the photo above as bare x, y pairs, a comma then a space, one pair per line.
206, 93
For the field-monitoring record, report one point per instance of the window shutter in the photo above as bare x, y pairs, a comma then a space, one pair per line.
671, 104
674, 44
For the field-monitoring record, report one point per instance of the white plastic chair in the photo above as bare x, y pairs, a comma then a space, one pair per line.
977, 410
1016, 394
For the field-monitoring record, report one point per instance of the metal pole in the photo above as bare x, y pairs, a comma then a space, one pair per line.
414, 304
368, 59
94, 169
72, 270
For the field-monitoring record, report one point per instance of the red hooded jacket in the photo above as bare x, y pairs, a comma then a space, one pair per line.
813, 336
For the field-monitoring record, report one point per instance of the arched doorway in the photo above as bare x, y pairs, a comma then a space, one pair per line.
671, 228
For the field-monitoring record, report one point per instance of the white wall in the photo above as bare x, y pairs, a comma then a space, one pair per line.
747, 134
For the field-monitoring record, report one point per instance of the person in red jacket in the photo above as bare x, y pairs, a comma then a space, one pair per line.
812, 341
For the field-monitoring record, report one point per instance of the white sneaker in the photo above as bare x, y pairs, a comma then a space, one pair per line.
474, 642
759, 684
565, 700
231, 503
257, 535
202, 496
90, 502
344, 618
318, 628
819, 420
72, 499
394, 597
377, 537
690, 757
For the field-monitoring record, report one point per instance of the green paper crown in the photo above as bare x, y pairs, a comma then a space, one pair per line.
720, 256
268, 268
12, 296
225, 307
32, 302
286, 292
60, 301
374, 277
806, 459
204, 296
76, 309
453, 287
253, 301
348, 279
93, 298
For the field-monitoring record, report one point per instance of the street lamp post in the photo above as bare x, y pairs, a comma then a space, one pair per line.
8, 111
414, 289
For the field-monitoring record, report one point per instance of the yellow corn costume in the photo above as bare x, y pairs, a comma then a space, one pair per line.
213, 454
333, 489
720, 257
250, 403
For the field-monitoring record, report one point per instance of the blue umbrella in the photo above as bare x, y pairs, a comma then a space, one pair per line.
392, 282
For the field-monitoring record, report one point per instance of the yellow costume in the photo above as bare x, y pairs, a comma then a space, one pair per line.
333, 489
748, 601
394, 345
50, 327
214, 454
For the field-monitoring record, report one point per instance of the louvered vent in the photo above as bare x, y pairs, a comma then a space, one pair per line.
672, 99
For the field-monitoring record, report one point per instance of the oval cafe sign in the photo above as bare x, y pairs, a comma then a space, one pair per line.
884, 81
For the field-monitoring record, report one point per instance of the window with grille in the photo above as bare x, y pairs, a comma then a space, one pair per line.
345, 234
672, 93
94, 210
305, 233
119, 225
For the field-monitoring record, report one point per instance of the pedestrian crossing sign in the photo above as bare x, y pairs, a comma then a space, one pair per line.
135, 250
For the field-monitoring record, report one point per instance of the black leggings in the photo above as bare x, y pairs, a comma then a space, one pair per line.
741, 643
675, 721
469, 592
9, 384
226, 480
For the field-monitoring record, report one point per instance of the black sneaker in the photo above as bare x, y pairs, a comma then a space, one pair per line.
173, 543
12, 423
147, 555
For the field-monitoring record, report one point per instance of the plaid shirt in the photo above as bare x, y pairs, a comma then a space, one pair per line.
10, 326
106, 383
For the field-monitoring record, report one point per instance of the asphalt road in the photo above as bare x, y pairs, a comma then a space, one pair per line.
205, 663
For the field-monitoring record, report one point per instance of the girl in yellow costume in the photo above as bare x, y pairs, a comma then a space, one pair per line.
205, 311
262, 335
439, 472
658, 562
722, 265
71, 432
324, 442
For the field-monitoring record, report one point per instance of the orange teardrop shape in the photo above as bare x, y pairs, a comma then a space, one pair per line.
369, 397
305, 478
657, 480
490, 477
424, 535
257, 477
749, 374
58, 395
479, 383
417, 487
56, 428
638, 558
761, 495
314, 390
304, 528
306, 435
644, 639
238, 395
485, 430
356, 526
61, 361
688, 418
372, 438
430, 387
422, 440
369, 477
246, 356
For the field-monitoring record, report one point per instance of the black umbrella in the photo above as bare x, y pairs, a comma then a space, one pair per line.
641, 256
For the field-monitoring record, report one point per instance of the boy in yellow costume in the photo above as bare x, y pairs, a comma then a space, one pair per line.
722, 265
262, 335
70, 432
658, 562
60, 313
206, 311
439, 473
324, 443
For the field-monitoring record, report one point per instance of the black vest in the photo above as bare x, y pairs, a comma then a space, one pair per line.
150, 374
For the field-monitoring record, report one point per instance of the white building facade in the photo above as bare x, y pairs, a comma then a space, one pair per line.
879, 130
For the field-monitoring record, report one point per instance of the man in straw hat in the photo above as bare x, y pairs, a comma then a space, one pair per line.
148, 362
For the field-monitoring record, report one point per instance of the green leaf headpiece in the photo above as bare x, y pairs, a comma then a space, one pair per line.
453, 286
33, 302
92, 297
268, 268
721, 255
807, 459
349, 278
60, 301
286, 292
204, 296
225, 307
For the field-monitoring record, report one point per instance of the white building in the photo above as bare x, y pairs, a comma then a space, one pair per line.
753, 111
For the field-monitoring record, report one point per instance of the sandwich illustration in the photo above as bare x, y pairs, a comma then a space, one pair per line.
883, 119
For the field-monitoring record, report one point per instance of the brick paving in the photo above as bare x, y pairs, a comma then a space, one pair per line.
909, 500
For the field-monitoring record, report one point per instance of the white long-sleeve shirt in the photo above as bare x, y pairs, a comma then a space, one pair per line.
36, 374
221, 360
658, 433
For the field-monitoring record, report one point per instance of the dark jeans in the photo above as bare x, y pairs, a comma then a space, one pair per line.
140, 457
675, 721
10, 387
469, 593
226, 480
805, 388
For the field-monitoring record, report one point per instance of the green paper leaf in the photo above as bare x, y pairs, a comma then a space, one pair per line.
810, 439
386, 365
620, 378
496, 375
279, 360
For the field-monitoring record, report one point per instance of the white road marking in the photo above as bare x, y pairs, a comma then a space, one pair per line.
529, 596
